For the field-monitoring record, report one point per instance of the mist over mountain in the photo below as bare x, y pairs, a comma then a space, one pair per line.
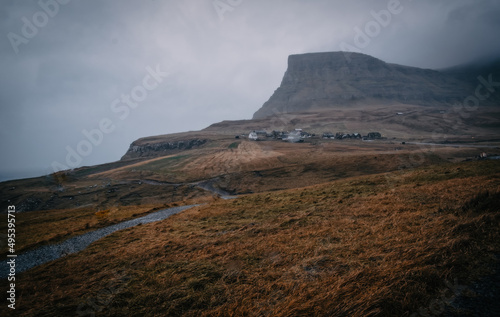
333, 79
470, 72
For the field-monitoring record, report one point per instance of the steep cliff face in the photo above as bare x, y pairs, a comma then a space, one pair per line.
325, 80
141, 149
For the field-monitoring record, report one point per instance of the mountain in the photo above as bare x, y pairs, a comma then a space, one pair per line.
330, 227
332, 79
338, 91
469, 72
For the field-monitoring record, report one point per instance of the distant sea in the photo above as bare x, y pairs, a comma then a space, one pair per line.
11, 175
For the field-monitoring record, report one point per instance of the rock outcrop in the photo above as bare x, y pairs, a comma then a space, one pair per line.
139, 149
326, 80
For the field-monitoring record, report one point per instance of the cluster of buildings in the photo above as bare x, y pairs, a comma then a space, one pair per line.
298, 135
342, 135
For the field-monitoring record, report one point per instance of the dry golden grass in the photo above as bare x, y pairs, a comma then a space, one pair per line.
53, 226
380, 245
274, 165
249, 168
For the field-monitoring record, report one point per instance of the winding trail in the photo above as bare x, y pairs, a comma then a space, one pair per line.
44, 254
47, 253
208, 185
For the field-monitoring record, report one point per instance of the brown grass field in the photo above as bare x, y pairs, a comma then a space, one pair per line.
378, 244
52, 226
320, 228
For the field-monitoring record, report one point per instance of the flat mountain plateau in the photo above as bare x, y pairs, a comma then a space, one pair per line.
405, 224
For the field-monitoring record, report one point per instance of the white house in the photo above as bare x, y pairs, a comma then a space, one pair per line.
257, 135
295, 136
253, 136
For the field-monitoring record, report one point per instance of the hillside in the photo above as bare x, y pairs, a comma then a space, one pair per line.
320, 92
386, 245
387, 226
235, 166
470, 71
353, 92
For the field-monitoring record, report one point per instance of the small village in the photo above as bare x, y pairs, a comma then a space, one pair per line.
298, 135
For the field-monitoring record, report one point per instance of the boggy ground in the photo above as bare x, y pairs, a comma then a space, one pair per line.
386, 244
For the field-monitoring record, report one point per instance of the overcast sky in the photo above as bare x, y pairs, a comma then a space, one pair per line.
65, 65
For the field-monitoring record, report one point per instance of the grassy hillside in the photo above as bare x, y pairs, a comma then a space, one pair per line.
53, 226
385, 245
159, 175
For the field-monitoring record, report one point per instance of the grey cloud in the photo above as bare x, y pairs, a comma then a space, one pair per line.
65, 78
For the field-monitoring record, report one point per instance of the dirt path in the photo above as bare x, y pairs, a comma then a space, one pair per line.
208, 185
42, 255
455, 145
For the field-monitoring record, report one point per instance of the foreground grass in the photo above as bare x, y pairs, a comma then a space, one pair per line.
53, 226
381, 245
